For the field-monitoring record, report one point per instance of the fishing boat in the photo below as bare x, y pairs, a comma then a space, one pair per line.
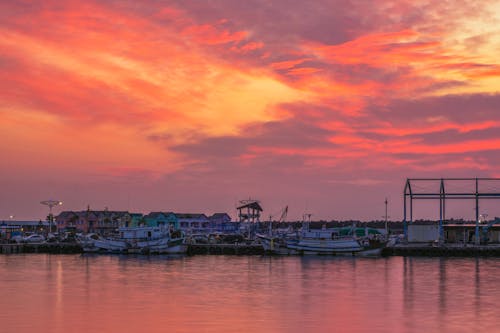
109, 244
335, 241
139, 240
96, 243
155, 240
275, 244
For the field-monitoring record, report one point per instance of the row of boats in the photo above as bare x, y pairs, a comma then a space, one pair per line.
335, 241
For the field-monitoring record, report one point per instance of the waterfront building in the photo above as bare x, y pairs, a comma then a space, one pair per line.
421, 232
105, 222
221, 222
12, 227
457, 231
136, 219
156, 219
72, 220
101, 222
193, 223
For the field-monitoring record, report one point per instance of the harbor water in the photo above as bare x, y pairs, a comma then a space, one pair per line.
113, 293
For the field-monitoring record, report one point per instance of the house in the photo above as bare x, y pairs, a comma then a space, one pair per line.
221, 222
102, 222
156, 219
136, 219
193, 223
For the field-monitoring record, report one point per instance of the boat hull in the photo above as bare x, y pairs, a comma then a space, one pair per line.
108, 245
345, 247
166, 246
275, 245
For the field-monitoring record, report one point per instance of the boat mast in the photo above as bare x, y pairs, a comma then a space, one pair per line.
386, 217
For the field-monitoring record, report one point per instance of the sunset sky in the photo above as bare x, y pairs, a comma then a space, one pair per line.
190, 106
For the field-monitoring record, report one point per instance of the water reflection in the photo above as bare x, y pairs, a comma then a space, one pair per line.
246, 294
442, 285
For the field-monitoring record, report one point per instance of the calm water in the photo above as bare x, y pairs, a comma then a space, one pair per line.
78, 293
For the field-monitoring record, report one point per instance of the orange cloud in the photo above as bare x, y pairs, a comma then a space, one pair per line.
288, 63
208, 34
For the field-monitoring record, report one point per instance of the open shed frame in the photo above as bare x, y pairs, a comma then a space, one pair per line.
480, 188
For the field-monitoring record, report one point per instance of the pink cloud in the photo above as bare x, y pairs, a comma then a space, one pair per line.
366, 104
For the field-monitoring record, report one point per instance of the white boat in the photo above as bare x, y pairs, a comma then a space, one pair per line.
107, 245
137, 240
330, 241
153, 240
94, 243
275, 242
323, 241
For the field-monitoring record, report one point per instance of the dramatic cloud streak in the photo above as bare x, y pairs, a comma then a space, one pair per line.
189, 105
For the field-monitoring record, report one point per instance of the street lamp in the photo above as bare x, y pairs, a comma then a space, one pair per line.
51, 203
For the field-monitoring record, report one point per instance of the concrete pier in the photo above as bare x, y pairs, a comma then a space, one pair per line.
238, 249
415, 249
56, 248
445, 250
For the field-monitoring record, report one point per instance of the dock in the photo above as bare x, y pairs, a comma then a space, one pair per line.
68, 248
410, 249
443, 250
55, 248
237, 248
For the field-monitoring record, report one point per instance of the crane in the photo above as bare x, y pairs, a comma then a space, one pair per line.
282, 218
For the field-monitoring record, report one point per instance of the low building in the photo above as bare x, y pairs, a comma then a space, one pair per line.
193, 223
156, 219
136, 219
221, 222
461, 232
466, 233
103, 222
423, 232
12, 227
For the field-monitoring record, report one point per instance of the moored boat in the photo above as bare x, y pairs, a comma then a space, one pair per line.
107, 245
330, 241
138, 240
275, 244
321, 242
153, 239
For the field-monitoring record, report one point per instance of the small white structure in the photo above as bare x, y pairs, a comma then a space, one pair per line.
418, 233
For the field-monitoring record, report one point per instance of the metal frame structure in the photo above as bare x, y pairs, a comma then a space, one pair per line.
443, 195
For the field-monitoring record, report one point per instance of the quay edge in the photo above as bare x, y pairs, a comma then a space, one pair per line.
54, 248
429, 250
445, 250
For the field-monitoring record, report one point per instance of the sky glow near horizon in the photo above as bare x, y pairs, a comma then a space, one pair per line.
190, 106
